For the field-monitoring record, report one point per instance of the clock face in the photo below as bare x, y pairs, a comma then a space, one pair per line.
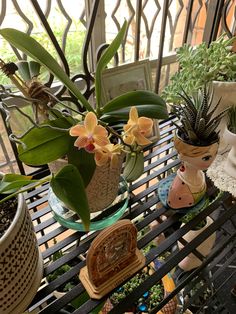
111, 251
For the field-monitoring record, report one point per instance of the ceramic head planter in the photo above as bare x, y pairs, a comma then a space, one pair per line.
196, 143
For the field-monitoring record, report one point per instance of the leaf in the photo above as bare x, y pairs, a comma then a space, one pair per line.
13, 182
138, 98
150, 111
33, 49
44, 145
34, 68
84, 162
68, 186
23, 69
106, 58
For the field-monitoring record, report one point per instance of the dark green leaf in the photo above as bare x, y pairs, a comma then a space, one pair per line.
83, 161
68, 186
44, 145
151, 111
140, 99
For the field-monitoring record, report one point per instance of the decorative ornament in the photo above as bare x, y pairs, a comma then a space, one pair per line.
112, 257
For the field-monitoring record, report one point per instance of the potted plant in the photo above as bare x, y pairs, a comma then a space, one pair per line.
230, 138
200, 65
196, 142
92, 141
21, 261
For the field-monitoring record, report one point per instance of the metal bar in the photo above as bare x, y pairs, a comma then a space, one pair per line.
137, 29
212, 20
161, 45
188, 20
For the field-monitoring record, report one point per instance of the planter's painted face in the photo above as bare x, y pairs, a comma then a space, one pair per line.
202, 161
198, 157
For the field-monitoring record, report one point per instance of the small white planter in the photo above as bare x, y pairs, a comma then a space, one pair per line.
21, 264
191, 261
230, 164
226, 91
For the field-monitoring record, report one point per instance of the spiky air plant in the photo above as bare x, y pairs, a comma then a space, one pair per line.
198, 127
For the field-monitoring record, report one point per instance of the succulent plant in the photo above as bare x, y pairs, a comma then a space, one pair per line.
198, 127
200, 65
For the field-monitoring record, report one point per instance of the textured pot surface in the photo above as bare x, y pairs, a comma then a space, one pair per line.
191, 261
21, 263
230, 164
102, 188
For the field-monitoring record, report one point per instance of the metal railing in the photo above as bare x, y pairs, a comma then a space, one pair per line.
155, 30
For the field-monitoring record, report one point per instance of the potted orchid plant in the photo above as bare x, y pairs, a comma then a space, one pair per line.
89, 140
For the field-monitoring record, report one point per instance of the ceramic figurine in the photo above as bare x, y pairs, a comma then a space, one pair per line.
196, 142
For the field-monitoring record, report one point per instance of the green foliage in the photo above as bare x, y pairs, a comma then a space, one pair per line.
49, 141
67, 183
200, 65
232, 119
155, 294
195, 114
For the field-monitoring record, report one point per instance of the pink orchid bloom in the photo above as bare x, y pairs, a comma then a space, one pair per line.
137, 129
90, 133
107, 153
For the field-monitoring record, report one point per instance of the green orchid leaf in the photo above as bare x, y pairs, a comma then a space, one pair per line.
150, 111
106, 58
33, 49
12, 182
34, 68
43, 145
23, 69
68, 186
84, 162
141, 99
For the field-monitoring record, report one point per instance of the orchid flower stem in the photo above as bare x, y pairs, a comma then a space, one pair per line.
29, 187
112, 131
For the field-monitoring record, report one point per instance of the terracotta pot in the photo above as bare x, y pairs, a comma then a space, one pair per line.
189, 185
21, 264
191, 261
226, 91
102, 188
230, 164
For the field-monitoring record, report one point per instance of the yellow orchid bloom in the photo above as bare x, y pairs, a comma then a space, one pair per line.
90, 133
137, 129
107, 153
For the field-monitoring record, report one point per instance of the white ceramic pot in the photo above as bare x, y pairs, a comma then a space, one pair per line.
230, 164
191, 261
21, 264
226, 91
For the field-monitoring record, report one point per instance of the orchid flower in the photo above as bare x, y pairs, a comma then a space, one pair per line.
90, 133
137, 129
107, 153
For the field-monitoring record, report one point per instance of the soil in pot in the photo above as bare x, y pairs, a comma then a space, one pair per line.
7, 214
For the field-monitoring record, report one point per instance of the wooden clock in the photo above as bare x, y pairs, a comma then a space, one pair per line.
112, 257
